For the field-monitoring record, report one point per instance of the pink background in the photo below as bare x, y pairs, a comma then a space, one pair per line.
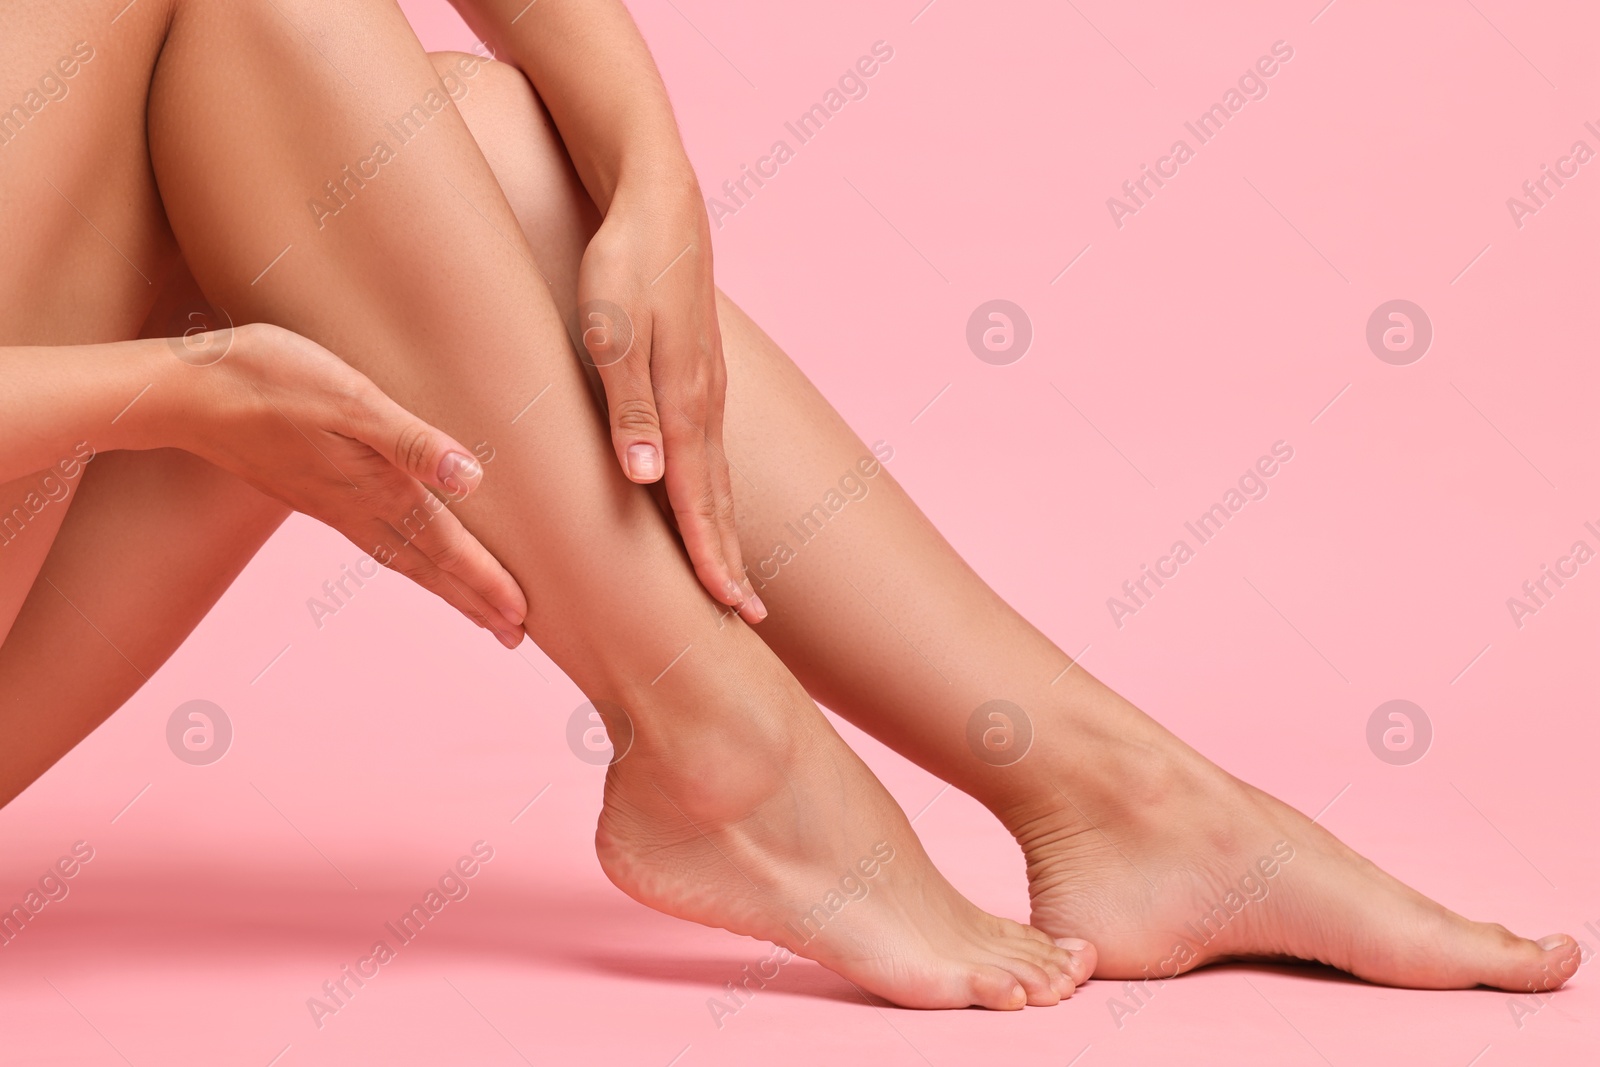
1224, 316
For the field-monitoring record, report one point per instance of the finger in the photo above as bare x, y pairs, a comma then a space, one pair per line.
436, 459
395, 553
421, 570
752, 610
630, 398
425, 452
434, 531
694, 502
692, 428
390, 550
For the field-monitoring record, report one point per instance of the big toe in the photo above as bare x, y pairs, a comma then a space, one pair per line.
1517, 964
1465, 954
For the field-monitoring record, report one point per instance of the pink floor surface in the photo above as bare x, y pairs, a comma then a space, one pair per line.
1227, 313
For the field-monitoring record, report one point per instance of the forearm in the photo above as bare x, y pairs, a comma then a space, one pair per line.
121, 395
597, 78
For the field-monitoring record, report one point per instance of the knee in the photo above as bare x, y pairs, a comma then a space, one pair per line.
526, 153
460, 72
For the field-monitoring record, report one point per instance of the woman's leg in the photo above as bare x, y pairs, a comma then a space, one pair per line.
85, 266
1132, 838
737, 805
882, 621
88, 253
516, 138
152, 540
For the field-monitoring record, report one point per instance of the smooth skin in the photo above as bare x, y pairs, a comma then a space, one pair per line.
1129, 834
738, 803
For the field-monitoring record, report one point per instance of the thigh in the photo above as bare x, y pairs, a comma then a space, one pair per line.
151, 541
155, 538
31, 510
87, 246
75, 167
176, 501
120, 562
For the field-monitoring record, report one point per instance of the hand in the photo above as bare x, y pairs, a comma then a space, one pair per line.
647, 320
298, 423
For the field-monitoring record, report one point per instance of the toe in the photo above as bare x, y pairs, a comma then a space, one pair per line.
1446, 951
1036, 980
996, 988
1516, 964
1563, 955
1063, 984
1489, 954
1081, 958
1054, 962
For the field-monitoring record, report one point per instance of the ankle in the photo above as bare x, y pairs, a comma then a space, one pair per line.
715, 761
1094, 782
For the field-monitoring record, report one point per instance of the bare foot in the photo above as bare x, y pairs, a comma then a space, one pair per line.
1195, 867
781, 833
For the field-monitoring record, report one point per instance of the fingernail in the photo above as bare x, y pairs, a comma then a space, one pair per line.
459, 472
1554, 941
644, 463
756, 607
510, 640
732, 593
512, 617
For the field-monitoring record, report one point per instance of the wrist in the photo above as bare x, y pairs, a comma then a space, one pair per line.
144, 399
187, 379
653, 176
